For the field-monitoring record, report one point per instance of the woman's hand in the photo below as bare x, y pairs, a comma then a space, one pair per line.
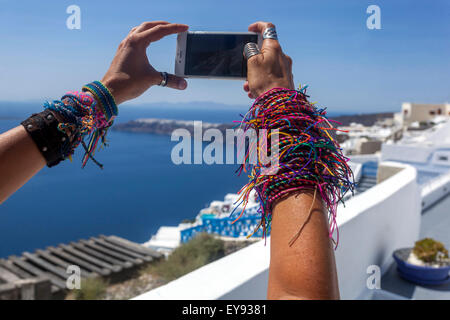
270, 69
130, 73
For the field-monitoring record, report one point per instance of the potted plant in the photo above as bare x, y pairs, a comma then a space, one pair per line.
427, 263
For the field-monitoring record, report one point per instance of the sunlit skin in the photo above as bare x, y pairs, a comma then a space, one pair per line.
304, 270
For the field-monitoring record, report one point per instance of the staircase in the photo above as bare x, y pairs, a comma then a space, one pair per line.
368, 177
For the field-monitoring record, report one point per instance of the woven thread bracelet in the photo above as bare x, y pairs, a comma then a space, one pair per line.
308, 158
83, 119
104, 98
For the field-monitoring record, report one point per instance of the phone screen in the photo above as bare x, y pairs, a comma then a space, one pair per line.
217, 55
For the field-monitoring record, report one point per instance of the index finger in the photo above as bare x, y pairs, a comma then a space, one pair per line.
259, 27
161, 30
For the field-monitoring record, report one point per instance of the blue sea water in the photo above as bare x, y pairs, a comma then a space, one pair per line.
138, 190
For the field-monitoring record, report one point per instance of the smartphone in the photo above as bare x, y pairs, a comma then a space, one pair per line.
217, 55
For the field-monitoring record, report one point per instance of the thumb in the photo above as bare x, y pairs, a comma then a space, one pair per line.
175, 82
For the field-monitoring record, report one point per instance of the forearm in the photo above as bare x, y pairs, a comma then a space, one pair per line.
45, 138
20, 160
306, 269
299, 193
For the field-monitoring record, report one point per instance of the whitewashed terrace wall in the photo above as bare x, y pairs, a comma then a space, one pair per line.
374, 224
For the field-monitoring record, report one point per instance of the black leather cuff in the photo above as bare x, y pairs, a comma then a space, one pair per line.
51, 142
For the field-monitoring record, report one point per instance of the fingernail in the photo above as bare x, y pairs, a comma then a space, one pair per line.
182, 84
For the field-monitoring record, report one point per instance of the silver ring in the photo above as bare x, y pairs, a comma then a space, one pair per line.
270, 33
163, 82
251, 49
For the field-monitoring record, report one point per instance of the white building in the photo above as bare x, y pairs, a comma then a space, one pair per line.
420, 112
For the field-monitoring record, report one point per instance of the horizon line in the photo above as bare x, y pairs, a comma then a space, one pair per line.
150, 105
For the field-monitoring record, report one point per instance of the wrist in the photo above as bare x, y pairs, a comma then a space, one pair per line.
52, 142
281, 84
276, 90
113, 86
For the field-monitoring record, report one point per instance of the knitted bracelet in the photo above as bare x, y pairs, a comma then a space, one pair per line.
308, 156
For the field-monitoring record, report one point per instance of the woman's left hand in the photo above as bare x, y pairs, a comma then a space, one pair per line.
130, 73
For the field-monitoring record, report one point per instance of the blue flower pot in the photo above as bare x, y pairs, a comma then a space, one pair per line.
420, 274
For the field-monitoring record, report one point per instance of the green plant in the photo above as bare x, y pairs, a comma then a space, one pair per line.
429, 250
91, 289
201, 250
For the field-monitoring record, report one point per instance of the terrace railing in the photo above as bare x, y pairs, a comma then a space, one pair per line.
225, 227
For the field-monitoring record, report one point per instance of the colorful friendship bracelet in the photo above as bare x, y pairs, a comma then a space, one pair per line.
104, 98
308, 158
83, 118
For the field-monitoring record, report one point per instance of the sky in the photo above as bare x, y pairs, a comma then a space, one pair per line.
347, 66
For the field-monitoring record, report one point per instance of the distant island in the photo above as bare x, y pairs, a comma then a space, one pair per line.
367, 119
167, 126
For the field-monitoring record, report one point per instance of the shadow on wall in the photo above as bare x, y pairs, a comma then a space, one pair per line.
254, 289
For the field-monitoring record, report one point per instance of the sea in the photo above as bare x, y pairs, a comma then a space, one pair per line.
138, 190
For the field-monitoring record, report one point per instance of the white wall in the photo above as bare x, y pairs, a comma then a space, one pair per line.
406, 153
372, 225
434, 190
441, 157
357, 170
240, 275
361, 158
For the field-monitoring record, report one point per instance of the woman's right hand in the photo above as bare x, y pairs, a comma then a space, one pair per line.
130, 73
270, 69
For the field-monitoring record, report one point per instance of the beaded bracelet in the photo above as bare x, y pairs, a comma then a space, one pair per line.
308, 158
